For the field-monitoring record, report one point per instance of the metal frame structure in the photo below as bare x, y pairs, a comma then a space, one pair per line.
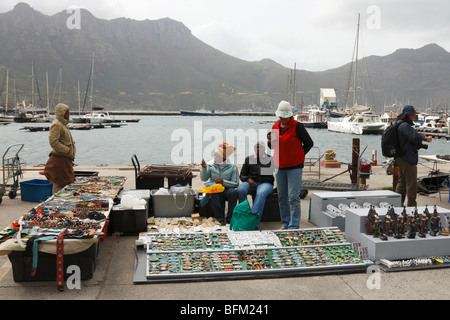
12, 169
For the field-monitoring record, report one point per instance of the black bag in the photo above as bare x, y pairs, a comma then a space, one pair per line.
390, 146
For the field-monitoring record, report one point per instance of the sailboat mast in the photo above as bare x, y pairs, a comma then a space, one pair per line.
48, 98
32, 84
92, 80
79, 102
356, 62
60, 84
15, 92
7, 91
294, 86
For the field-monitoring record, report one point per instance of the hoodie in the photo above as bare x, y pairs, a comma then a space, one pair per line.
60, 138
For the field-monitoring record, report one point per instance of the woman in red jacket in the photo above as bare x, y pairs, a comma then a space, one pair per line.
291, 142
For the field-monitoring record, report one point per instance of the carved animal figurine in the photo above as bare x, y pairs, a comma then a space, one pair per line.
370, 222
412, 223
434, 223
387, 223
445, 231
400, 227
423, 226
378, 223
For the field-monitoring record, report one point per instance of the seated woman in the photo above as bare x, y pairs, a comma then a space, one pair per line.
257, 176
221, 171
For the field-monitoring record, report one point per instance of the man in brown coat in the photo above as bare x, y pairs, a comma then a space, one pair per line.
59, 167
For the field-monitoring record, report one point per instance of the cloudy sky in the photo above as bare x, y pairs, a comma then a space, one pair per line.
316, 35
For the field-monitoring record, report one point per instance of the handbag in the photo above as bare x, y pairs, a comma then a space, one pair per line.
243, 219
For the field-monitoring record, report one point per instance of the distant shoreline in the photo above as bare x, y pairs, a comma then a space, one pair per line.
175, 113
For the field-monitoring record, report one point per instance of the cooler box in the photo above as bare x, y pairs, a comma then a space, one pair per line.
170, 205
271, 212
139, 193
128, 221
36, 190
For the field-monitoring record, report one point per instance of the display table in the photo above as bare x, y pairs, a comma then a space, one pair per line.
67, 225
246, 254
325, 206
393, 249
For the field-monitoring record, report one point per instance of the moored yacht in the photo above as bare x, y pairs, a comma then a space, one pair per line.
360, 123
314, 118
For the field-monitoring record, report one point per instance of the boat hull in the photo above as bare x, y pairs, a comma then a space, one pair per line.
194, 113
315, 125
353, 126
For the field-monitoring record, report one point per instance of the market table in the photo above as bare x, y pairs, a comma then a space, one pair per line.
63, 230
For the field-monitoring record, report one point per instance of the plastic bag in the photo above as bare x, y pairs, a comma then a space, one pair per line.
212, 187
243, 219
162, 191
177, 189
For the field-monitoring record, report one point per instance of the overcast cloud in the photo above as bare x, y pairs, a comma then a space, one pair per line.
316, 35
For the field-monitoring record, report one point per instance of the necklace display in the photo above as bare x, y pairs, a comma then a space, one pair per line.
81, 208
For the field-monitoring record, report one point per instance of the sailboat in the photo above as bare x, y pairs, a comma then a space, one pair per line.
94, 117
30, 113
4, 116
362, 120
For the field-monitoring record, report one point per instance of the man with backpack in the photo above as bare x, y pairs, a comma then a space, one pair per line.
409, 141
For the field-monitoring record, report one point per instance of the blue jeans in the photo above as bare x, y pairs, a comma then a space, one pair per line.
289, 185
263, 189
218, 203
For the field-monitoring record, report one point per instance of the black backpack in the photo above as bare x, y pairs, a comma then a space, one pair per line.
390, 146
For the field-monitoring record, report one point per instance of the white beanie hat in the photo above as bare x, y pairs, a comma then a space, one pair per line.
284, 110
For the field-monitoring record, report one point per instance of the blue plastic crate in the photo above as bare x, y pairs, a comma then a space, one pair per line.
36, 190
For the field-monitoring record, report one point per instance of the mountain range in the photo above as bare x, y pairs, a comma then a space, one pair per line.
160, 65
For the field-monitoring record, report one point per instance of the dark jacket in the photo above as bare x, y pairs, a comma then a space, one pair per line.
409, 140
257, 169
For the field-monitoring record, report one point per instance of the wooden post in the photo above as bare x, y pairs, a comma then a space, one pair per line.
394, 176
355, 155
363, 181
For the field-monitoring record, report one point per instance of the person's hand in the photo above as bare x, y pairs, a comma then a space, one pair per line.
203, 163
428, 139
219, 181
252, 183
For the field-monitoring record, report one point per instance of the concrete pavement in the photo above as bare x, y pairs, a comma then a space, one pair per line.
113, 277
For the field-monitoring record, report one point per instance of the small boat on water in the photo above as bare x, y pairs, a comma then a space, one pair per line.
314, 118
335, 113
36, 129
360, 123
433, 127
94, 117
389, 117
433, 124
81, 127
202, 113
6, 119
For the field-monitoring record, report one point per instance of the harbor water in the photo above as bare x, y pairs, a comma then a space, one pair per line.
183, 140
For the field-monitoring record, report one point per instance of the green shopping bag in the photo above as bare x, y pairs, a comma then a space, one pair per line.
243, 219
